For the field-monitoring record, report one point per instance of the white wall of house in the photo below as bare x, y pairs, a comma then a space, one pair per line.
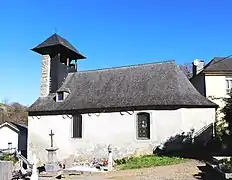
110, 128
215, 85
211, 86
7, 135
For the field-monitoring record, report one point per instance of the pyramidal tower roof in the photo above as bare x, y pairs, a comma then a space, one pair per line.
57, 43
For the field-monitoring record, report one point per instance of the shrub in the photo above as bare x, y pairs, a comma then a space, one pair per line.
8, 157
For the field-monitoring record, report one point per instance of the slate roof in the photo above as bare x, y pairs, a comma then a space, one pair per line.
219, 64
152, 85
56, 40
21, 127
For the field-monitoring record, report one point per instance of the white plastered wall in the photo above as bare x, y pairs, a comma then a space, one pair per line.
111, 128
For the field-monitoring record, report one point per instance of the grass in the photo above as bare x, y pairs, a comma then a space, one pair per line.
147, 161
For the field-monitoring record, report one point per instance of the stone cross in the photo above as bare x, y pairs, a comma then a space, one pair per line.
55, 30
51, 135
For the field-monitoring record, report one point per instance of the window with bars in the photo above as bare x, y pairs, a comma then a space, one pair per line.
77, 126
228, 85
143, 125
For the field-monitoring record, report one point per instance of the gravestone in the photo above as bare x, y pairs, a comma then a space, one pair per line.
6, 169
52, 164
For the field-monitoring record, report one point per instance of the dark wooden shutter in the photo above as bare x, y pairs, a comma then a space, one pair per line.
143, 126
77, 126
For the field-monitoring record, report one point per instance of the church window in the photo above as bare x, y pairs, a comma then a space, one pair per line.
143, 125
77, 126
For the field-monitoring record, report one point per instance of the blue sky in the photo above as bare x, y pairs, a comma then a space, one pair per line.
110, 33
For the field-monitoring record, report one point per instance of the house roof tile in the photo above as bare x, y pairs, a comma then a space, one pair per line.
56, 40
219, 64
160, 84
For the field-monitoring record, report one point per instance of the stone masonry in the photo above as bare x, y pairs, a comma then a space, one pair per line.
45, 76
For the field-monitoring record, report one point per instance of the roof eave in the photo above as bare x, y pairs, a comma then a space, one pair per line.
211, 73
73, 54
116, 109
217, 72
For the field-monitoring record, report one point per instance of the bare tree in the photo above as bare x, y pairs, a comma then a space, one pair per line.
187, 69
13, 112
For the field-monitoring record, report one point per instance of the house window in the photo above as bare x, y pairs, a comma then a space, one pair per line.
77, 126
143, 125
60, 96
228, 85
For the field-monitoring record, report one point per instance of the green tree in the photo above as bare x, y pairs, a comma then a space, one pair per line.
224, 127
227, 111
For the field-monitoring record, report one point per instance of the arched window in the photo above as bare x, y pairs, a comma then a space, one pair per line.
143, 125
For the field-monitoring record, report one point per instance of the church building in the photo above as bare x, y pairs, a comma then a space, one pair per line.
132, 108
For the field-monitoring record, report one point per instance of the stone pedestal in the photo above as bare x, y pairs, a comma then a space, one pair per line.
110, 161
52, 164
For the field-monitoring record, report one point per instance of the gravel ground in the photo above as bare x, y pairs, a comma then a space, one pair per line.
184, 171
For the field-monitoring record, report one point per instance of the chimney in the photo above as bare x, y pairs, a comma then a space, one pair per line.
198, 66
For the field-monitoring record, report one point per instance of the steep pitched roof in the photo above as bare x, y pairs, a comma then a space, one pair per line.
219, 64
56, 40
152, 85
10, 125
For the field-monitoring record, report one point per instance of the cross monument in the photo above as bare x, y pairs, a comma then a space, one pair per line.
51, 165
51, 135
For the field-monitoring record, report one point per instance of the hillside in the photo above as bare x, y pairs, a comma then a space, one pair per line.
13, 112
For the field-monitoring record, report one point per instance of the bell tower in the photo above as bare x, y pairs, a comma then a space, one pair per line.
59, 58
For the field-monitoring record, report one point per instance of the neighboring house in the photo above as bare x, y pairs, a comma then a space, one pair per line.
133, 108
13, 136
213, 80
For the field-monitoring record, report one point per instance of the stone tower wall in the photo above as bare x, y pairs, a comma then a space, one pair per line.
45, 76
